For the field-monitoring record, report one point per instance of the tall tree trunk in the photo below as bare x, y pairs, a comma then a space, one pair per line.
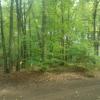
6, 69
63, 33
30, 30
96, 45
43, 30
19, 32
24, 46
10, 37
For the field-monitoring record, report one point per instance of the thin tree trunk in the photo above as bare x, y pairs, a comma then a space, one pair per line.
19, 32
30, 34
10, 37
6, 70
30, 30
96, 48
43, 30
24, 46
63, 33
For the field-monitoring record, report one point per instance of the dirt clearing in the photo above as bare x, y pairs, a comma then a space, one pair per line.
48, 86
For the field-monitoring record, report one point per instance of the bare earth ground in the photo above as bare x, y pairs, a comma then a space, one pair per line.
48, 86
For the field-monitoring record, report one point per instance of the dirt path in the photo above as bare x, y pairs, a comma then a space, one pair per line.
75, 89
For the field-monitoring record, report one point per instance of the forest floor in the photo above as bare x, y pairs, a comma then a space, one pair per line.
48, 86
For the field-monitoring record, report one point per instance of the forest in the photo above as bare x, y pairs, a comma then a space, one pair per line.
49, 49
46, 34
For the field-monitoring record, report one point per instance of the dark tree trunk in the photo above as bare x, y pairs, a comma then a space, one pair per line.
10, 59
19, 32
63, 33
23, 44
6, 69
96, 46
43, 30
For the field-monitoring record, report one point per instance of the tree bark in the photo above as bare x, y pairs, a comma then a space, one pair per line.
19, 32
43, 30
96, 44
6, 69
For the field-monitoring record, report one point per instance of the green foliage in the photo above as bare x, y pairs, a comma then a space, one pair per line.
79, 52
51, 33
